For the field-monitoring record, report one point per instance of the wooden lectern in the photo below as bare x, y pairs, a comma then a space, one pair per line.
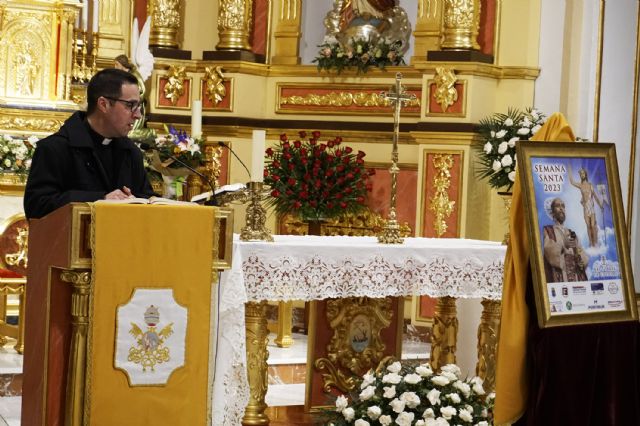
71, 379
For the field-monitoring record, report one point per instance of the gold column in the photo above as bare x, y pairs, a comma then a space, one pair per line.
81, 282
428, 28
287, 34
165, 22
114, 27
461, 22
488, 343
445, 332
285, 313
235, 20
257, 355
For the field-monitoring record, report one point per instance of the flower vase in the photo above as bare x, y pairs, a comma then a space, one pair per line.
314, 226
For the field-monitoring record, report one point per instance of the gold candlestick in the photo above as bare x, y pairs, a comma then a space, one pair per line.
255, 229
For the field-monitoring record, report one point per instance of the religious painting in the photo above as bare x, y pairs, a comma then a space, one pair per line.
579, 248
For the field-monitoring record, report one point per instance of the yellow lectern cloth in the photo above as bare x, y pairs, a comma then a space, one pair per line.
150, 247
511, 370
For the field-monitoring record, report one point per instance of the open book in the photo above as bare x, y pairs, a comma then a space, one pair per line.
150, 200
223, 189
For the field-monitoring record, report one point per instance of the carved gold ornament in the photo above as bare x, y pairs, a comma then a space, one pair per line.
356, 345
488, 343
461, 21
30, 124
343, 99
445, 332
440, 204
214, 84
165, 22
445, 93
174, 89
234, 24
21, 257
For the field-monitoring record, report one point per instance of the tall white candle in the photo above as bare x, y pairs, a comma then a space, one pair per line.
196, 119
85, 15
94, 23
257, 156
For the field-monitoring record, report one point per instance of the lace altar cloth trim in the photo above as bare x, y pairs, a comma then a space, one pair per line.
310, 268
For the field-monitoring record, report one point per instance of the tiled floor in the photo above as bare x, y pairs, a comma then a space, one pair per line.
282, 391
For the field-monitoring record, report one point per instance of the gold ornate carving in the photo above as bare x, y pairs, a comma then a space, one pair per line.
257, 355
488, 343
461, 24
214, 83
165, 22
212, 163
343, 99
80, 299
445, 333
30, 124
21, 257
356, 345
446, 93
174, 89
234, 24
255, 229
365, 223
27, 68
440, 204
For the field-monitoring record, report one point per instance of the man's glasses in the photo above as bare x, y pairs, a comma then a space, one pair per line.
133, 106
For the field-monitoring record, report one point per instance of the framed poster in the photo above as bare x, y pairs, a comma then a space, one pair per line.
579, 248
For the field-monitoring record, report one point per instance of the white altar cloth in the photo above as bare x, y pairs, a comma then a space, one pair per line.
314, 268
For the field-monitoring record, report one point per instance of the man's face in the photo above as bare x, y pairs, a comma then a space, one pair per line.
119, 116
557, 211
583, 174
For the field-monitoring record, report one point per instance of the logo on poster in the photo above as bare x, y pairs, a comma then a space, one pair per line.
613, 288
597, 288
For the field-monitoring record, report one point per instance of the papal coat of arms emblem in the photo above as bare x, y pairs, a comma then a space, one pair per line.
150, 349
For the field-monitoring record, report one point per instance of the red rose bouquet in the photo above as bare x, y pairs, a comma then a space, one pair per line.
316, 180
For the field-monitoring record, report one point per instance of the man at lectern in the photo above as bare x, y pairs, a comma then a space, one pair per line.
90, 158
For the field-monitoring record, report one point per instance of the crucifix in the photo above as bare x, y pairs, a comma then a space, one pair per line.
391, 232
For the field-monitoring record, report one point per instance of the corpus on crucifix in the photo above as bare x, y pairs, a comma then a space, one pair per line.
398, 98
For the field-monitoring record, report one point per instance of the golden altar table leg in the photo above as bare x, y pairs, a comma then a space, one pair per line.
257, 355
285, 311
81, 282
488, 343
445, 333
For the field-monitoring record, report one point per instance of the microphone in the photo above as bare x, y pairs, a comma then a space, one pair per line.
211, 201
235, 155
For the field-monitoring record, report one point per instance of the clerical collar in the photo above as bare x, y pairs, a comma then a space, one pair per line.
96, 137
106, 141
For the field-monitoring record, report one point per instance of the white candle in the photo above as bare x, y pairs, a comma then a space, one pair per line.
257, 156
94, 24
85, 15
196, 119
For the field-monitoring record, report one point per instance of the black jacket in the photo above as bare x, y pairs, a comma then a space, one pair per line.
66, 168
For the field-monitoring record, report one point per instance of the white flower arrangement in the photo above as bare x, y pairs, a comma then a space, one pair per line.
419, 397
499, 134
16, 153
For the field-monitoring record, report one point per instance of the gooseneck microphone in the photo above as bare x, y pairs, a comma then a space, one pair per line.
211, 201
235, 155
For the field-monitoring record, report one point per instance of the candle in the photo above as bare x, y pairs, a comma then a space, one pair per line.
257, 156
85, 15
196, 119
94, 24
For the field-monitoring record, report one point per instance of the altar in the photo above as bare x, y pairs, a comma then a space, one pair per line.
315, 268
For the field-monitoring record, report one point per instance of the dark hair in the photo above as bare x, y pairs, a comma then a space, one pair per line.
107, 83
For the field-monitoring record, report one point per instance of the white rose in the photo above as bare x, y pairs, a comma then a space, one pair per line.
508, 122
452, 368
361, 422
429, 414
477, 385
395, 367
440, 380
523, 131
493, 134
405, 419
534, 114
512, 176
506, 161
27, 163
389, 392
535, 129
454, 397
411, 399
488, 147
341, 403
501, 134
412, 379
374, 412
349, 414
512, 141
482, 423
441, 422
392, 378
33, 140
465, 415
462, 387
449, 375
397, 405
5, 149
7, 162
420, 423
502, 148
367, 379
367, 393
448, 412
496, 165
424, 370
434, 396
385, 420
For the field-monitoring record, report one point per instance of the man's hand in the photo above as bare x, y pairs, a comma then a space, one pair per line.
119, 194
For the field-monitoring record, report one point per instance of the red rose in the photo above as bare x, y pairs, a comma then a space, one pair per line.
313, 141
338, 153
325, 194
360, 200
338, 139
304, 195
291, 181
302, 134
297, 204
346, 160
318, 184
286, 146
359, 161
323, 147
269, 152
283, 137
372, 172
304, 161
276, 164
275, 178
330, 144
315, 172
291, 166
348, 150
286, 156
340, 180
340, 168
348, 190
329, 205
356, 170
303, 152
265, 173
315, 134
343, 205
275, 193
361, 154
329, 173
307, 176
317, 153
289, 192
349, 176
313, 203
369, 187
297, 144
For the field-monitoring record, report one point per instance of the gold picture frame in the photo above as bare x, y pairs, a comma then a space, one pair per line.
576, 225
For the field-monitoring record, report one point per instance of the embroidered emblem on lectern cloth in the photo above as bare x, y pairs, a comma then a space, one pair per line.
150, 349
